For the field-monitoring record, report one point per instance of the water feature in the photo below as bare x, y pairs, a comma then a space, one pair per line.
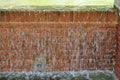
58, 48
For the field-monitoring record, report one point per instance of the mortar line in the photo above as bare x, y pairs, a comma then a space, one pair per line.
64, 22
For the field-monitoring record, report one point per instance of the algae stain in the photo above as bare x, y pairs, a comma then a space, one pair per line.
0, 34
58, 13
2, 13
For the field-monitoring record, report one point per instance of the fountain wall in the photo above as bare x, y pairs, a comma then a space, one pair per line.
58, 40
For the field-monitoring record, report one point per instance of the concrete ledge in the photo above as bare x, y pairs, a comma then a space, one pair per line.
58, 8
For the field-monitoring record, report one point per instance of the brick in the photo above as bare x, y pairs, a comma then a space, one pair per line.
105, 16
81, 16
17, 16
119, 19
118, 28
26, 16
28, 62
22, 67
54, 16
32, 16
76, 16
7, 16
112, 17
12, 16
100, 16
2, 16
109, 16
65, 17
22, 16
42, 16
36, 16
5, 66
71, 16
95, 16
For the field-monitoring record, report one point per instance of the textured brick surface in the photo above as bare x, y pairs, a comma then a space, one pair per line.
117, 66
61, 41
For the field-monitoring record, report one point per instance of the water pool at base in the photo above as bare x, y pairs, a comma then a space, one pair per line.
72, 75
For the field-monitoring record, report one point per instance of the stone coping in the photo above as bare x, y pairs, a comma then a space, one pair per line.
57, 8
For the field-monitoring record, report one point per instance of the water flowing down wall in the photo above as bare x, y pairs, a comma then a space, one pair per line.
117, 66
57, 41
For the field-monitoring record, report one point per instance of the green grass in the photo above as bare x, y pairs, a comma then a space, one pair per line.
56, 2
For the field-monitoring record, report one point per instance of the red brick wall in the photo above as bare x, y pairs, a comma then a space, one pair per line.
60, 41
117, 66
